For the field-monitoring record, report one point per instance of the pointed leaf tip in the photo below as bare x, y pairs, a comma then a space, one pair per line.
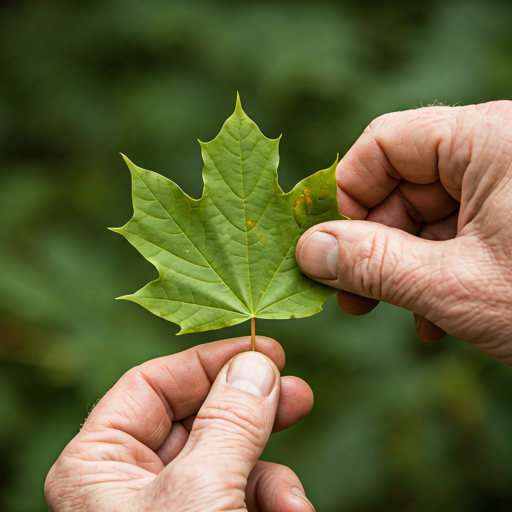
238, 106
128, 162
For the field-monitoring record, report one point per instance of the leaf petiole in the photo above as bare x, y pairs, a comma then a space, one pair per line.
253, 334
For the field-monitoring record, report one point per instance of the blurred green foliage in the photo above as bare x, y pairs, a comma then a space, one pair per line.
398, 424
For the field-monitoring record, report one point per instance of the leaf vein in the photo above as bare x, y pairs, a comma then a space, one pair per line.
193, 304
285, 298
222, 177
190, 241
245, 214
282, 261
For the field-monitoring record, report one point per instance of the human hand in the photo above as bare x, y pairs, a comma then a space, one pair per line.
143, 448
436, 184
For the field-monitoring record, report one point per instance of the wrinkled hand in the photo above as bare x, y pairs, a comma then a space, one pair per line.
436, 184
143, 448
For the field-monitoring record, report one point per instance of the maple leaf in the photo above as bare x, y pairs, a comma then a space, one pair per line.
230, 255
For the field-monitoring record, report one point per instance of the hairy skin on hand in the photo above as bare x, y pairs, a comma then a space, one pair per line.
430, 192
174, 434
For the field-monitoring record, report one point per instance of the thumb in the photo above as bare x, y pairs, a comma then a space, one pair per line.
384, 263
230, 431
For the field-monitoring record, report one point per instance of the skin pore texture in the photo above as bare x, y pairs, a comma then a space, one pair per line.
430, 194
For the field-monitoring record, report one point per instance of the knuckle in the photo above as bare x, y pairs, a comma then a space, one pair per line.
386, 269
464, 270
374, 126
49, 486
498, 127
402, 136
229, 416
501, 109
437, 123
57, 492
195, 486
374, 263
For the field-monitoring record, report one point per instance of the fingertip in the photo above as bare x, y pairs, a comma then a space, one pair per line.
354, 304
277, 488
303, 238
299, 390
295, 403
318, 256
272, 349
292, 500
427, 331
252, 372
173, 444
348, 206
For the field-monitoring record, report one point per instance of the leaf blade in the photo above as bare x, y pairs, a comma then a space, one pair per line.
230, 255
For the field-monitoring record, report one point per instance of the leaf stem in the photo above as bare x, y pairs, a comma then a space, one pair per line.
253, 334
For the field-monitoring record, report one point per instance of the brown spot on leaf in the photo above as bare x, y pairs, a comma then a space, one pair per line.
304, 196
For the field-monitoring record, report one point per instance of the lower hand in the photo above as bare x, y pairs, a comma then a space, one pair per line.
184, 433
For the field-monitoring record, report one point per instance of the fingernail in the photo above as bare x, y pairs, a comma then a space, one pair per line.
298, 492
251, 372
319, 256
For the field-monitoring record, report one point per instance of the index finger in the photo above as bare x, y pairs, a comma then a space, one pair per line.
413, 145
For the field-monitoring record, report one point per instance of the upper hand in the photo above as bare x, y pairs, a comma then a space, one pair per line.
184, 433
436, 184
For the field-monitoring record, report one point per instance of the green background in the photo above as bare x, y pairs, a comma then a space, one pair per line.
398, 424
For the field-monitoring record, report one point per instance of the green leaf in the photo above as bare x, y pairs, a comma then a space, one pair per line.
229, 256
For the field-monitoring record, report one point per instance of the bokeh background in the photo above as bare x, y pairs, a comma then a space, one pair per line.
398, 425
